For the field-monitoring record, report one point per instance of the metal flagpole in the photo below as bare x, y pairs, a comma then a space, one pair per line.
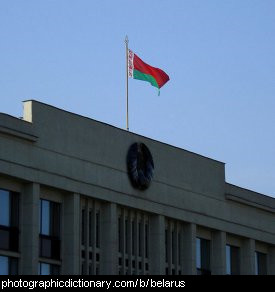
127, 116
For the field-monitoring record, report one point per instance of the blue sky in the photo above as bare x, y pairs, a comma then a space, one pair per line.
219, 54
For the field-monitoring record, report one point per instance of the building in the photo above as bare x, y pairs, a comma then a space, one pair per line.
75, 200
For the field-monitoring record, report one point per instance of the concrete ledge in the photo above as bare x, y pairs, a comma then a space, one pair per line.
249, 198
20, 135
249, 203
17, 128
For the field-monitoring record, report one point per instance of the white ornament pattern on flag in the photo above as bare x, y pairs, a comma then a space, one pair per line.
130, 63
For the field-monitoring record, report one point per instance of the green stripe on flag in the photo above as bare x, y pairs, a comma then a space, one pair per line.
145, 77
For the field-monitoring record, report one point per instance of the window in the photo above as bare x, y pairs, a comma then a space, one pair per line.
120, 244
173, 245
126, 229
49, 229
203, 256
48, 269
9, 220
139, 238
133, 237
260, 263
83, 268
166, 245
179, 250
97, 220
50, 218
5, 208
232, 260
91, 228
83, 226
8, 266
146, 240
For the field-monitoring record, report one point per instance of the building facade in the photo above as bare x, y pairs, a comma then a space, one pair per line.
69, 204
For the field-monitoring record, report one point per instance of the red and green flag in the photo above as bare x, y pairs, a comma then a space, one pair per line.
138, 69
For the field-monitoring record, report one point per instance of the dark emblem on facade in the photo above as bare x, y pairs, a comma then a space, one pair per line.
140, 166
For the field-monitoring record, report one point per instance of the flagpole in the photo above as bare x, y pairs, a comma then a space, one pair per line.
127, 103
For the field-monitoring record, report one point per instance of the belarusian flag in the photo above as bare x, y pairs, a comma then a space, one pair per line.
137, 69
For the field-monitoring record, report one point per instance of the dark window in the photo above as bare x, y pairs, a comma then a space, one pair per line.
139, 238
55, 270
49, 229
5, 237
97, 221
203, 256
9, 220
13, 268
90, 229
232, 260
126, 229
146, 240
260, 263
173, 246
133, 237
48, 269
83, 269
49, 247
9, 237
83, 229
179, 249
166, 245
8, 266
119, 235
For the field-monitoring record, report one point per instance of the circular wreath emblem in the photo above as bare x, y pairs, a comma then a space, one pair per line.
140, 166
